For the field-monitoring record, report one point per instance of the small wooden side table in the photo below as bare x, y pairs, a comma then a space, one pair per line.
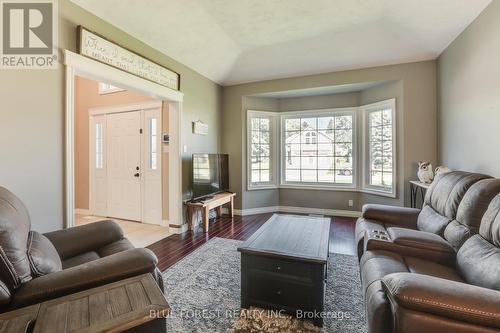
217, 201
124, 305
417, 187
20, 320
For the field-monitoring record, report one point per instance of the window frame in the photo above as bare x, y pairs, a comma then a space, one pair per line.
366, 158
273, 149
352, 111
107, 88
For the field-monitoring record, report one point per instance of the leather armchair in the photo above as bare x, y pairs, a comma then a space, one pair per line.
36, 267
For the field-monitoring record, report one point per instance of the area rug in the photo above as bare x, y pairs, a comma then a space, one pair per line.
203, 290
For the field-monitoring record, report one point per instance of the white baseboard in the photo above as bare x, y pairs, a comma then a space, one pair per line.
301, 210
81, 211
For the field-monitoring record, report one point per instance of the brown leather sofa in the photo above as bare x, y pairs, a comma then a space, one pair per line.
446, 279
36, 267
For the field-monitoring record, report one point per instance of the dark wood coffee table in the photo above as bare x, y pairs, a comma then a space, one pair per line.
284, 265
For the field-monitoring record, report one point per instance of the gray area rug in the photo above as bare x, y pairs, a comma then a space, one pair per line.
203, 290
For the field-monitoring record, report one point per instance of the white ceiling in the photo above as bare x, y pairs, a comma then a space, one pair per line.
236, 41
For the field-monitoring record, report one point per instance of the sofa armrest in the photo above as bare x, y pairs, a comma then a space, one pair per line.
413, 243
88, 237
89, 275
450, 299
400, 216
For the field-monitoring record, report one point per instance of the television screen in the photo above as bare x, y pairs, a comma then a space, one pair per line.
210, 174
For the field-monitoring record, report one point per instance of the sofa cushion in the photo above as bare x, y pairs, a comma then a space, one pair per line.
5, 295
470, 211
80, 259
374, 265
115, 247
447, 190
490, 224
14, 228
42, 255
479, 263
431, 221
479, 258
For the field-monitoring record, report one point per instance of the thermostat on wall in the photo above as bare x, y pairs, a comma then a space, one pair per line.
166, 138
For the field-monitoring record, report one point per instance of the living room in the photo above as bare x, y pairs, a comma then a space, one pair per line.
329, 166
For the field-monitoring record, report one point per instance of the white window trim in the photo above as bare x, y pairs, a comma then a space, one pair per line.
366, 187
321, 186
273, 146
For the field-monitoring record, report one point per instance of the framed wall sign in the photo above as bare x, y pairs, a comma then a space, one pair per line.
99, 48
200, 127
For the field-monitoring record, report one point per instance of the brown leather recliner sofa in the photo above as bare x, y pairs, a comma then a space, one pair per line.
438, 269
37, 267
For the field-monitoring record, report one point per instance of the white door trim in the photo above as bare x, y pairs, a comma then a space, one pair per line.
91, 69
125, 108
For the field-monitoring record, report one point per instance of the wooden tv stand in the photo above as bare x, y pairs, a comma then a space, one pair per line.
217, 201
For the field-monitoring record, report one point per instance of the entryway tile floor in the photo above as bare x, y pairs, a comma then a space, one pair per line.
140, 234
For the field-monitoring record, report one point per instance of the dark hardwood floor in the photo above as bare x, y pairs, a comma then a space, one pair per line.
173, 248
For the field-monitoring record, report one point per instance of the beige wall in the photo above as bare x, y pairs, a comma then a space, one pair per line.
86, 97
32, 119
414, 87
469, 97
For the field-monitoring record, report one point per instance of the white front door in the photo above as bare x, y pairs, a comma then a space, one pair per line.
124, 165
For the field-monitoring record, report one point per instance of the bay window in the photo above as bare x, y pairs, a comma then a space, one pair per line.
319, 149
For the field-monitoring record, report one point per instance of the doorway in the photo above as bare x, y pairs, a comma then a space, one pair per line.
126, 162
144, 155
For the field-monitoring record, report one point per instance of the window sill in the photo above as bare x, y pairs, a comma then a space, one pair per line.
348, 188
261, 187
324, 188
378, 192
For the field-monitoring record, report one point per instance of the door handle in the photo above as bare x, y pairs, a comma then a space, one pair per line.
136, 174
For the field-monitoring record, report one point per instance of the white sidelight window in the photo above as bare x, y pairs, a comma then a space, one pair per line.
99, 140
261, 149
380, 148
318, 148
153, 144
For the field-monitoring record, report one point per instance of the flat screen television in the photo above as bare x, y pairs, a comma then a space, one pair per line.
210, 175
